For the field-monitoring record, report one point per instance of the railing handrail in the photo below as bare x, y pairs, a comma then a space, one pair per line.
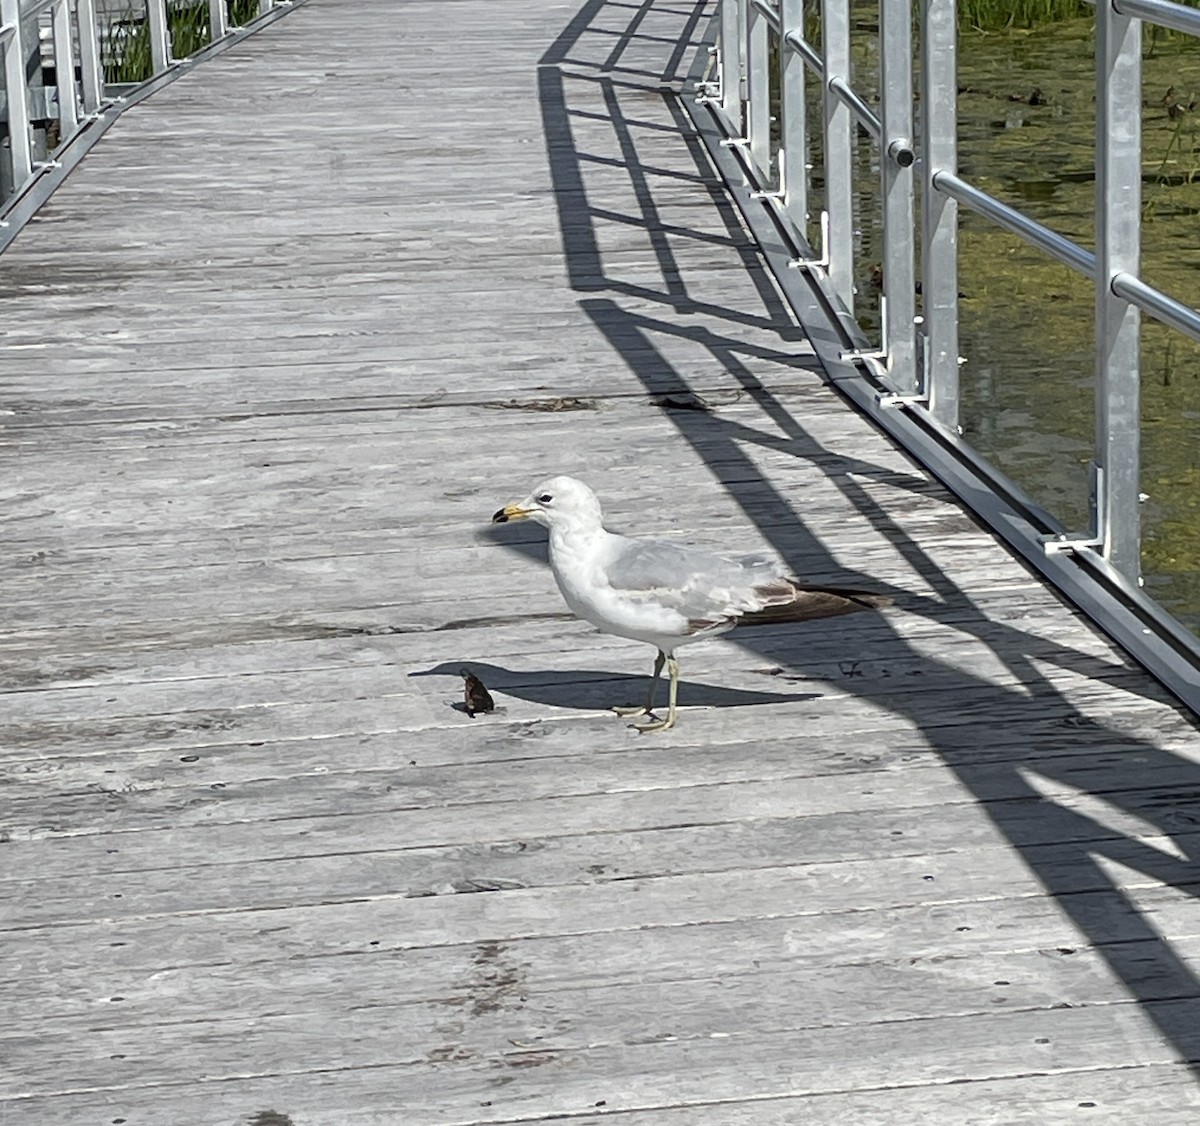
1004, 215
1175, 17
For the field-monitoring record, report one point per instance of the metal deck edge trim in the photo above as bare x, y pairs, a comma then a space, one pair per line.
1134, 622
23, 206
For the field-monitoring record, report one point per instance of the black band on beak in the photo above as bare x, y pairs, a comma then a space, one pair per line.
500, 518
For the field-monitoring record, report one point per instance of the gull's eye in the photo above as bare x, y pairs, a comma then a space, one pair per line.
545, 498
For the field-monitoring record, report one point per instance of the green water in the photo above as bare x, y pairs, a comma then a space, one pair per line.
1026, 134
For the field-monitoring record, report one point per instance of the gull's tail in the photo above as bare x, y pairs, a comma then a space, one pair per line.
789, 601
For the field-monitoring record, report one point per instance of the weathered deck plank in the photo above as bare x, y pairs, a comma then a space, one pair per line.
274, 353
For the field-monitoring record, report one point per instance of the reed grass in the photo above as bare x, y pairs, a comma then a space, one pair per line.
125, 53
997, 15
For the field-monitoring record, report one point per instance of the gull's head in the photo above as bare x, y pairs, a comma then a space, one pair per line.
559, 502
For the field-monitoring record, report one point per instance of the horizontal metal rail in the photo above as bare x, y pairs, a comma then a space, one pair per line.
1173, 16
909, 382
1146, 297
1054, 244
768, 10
796, 42
1159, 305
866, 116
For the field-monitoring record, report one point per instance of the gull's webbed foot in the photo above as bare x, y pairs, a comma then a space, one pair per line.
656, 724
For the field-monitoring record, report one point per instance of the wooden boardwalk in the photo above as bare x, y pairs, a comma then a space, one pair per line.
299, 324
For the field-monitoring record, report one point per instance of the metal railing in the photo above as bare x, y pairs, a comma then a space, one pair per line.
41, 120
914, 370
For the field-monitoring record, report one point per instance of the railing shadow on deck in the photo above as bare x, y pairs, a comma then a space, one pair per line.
590, 50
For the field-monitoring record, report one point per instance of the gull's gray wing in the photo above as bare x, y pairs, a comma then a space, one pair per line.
704, 587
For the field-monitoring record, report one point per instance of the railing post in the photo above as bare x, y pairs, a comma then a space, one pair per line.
218, 22
897, 158
90, 73
160, 38
21, 152
793, 160
758, 93
730, 60
839, 150
939, 227
1118, 246
64, 70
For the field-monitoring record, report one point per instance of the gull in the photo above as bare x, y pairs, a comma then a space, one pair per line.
663, 593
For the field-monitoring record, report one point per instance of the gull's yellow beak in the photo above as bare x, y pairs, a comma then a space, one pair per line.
510, 512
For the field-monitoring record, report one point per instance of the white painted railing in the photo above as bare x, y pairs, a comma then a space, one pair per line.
79, 95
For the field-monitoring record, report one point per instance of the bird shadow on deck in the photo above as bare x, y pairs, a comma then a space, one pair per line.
582, 77
593, 689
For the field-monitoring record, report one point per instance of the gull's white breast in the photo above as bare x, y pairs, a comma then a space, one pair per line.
579, 562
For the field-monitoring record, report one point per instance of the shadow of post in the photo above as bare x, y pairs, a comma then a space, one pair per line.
587, 75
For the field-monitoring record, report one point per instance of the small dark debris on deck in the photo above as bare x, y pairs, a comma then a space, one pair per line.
476, 698
689, 401
271, 1118
550, 406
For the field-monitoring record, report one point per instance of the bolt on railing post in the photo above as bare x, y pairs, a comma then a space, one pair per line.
839, 150
218, 22
90, 73
64, 70
1118, 248
730, 59
793, 161
20, 149
758, 93
897, 158
939, 227
160, 37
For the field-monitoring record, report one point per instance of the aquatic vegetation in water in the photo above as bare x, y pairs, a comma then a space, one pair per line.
997, 15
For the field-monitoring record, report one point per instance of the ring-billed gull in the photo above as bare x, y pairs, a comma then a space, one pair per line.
663, 593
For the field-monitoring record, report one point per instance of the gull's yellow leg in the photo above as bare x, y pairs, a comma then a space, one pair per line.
649, 708
669, 722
